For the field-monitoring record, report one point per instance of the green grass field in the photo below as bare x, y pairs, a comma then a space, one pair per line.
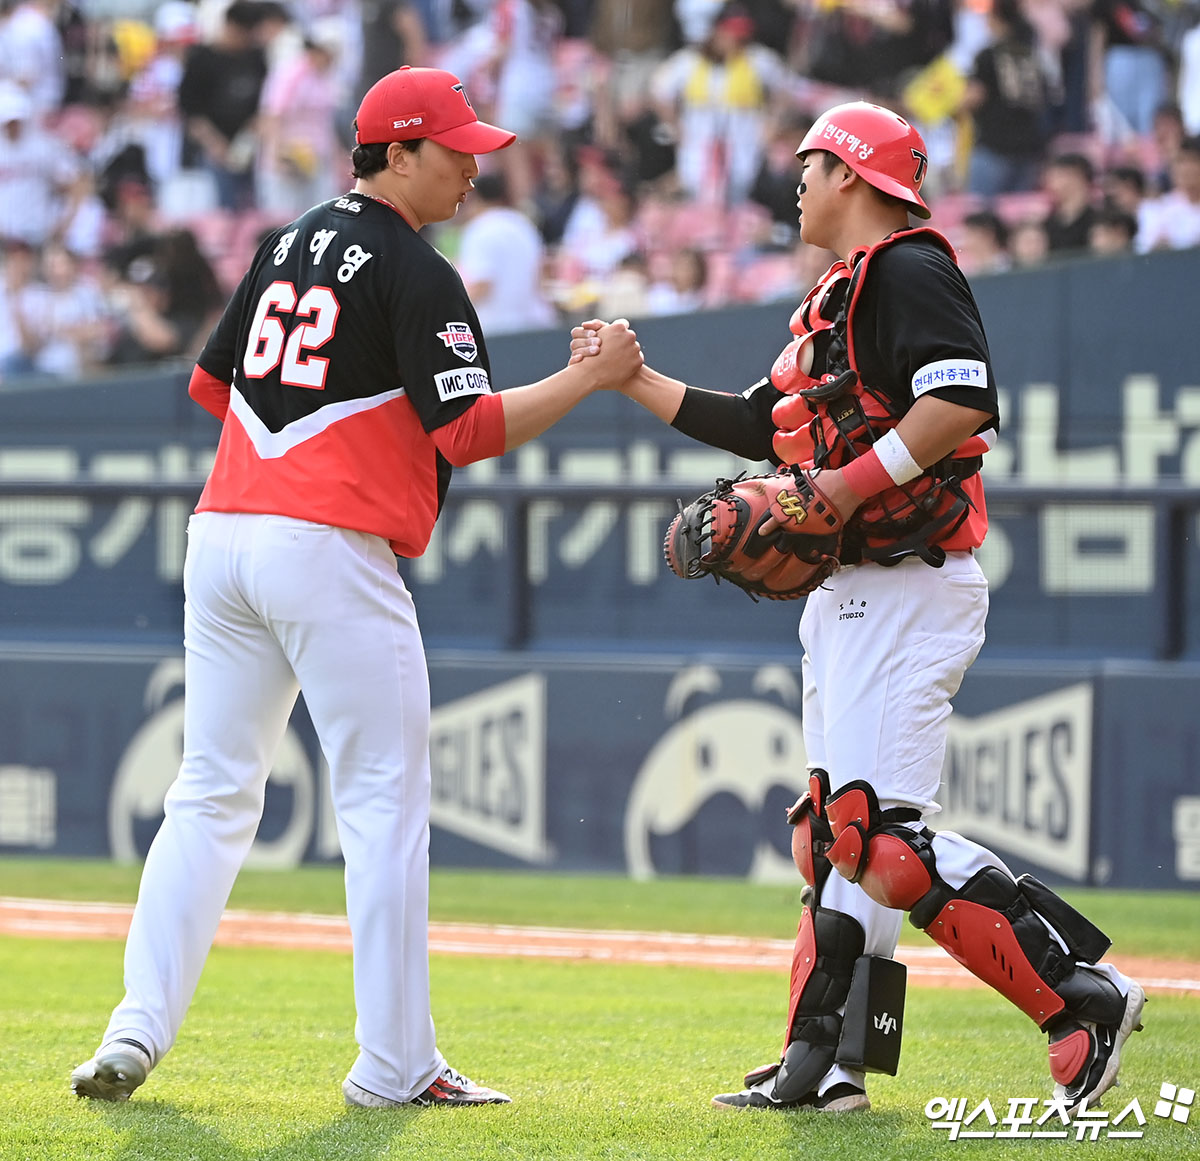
603, 1061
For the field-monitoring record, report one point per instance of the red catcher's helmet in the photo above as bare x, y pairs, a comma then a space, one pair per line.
879, 145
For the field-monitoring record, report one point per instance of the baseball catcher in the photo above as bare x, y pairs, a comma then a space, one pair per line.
879, 412
774, 536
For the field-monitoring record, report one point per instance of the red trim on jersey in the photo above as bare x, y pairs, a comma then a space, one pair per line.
210, 392
477, 434
973, 529
971, 533
374, 471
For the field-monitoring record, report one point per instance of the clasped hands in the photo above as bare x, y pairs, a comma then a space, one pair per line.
596, 338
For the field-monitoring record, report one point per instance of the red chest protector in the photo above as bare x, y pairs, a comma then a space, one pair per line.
836, 417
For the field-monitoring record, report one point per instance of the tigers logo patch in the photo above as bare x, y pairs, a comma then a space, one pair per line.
460, 339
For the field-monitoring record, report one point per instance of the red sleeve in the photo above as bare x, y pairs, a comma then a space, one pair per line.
476, 434
210, 392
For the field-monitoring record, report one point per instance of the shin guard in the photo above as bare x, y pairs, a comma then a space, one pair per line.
828, 944
991, 927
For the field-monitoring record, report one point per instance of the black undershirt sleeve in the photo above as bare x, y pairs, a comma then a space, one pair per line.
735, 423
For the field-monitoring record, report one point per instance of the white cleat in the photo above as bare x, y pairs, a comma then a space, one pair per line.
449, 1088
113, 1073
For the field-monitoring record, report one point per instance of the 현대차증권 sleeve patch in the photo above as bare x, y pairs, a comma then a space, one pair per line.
950, 373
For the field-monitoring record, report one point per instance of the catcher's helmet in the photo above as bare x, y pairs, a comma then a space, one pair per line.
879, 145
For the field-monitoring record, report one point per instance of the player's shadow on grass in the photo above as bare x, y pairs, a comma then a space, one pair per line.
159, 1129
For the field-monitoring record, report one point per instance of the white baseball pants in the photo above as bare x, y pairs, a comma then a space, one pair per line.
885, 649
275, 605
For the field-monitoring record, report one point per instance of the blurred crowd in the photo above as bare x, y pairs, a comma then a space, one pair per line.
146, 148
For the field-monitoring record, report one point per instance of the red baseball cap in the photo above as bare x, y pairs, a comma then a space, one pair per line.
411, 103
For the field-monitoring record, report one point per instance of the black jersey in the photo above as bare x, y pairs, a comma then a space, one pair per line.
347, 342
916, 328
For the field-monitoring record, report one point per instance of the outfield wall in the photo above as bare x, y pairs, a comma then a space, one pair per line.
1082, 772
580, 722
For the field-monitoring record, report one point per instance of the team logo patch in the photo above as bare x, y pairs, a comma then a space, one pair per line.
459, 338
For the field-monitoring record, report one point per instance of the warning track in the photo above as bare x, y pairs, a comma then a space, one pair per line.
927, 966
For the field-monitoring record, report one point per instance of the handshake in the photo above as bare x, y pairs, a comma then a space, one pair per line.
612, 349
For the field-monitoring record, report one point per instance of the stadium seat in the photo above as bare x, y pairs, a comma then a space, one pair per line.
699, 226
1022, 207
214, 230
767, 279
722, 276
950, 209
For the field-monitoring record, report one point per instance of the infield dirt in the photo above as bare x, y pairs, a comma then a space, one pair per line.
927, 966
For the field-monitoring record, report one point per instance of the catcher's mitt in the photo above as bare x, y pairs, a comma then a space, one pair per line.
718, 535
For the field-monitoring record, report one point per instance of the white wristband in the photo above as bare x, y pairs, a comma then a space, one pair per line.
896, 459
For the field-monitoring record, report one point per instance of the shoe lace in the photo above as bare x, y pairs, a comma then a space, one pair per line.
456, 1078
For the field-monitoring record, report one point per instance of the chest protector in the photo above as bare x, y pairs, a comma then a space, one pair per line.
833, 417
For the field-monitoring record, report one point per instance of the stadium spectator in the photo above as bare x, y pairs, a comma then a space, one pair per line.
394, 33
1114, 231
681, 290
167, 302
636, 36
301, 158
1074, 57
134, 225
218, 97
1028, 243
525, 36
556, 195
1188, 86
599, 232
775, 183
1167, 135
695, 18
85, 221
716, 97
648, 143
129, 132
775, 24
984, 245
71, 327
624, 292
1128, 67
1172, 221
872, 44
21, 301
39, 177
1068, 180
1124, 189
152, 106
1009, 98
31, 54
500, 257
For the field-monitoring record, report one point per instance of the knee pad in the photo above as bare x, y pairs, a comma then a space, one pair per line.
873, 848
810, 840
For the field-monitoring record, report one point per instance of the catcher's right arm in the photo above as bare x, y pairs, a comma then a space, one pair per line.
721, 534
